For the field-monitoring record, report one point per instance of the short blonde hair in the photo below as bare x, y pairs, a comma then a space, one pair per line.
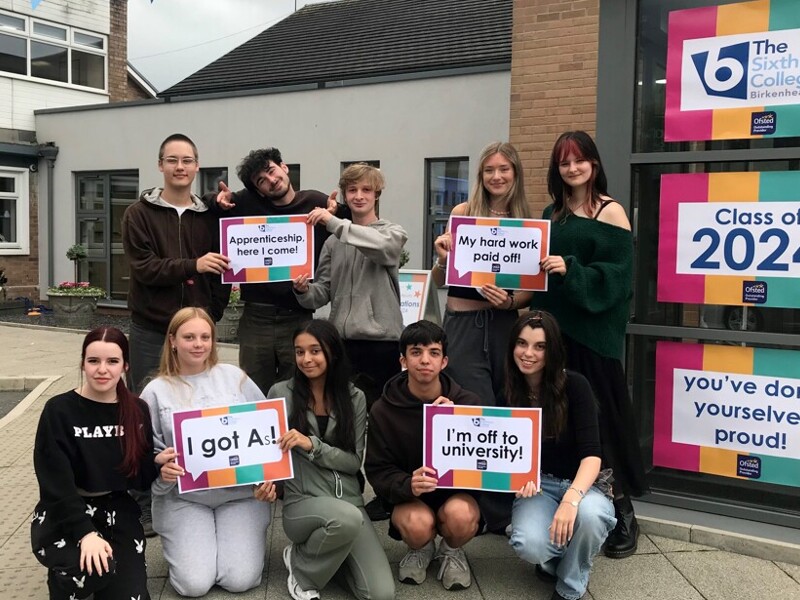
358, 171
170, 366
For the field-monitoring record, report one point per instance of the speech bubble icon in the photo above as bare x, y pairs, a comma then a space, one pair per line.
232, 440
476, 443
500, 250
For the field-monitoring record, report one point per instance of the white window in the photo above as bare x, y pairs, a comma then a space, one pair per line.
36, 49
14, 212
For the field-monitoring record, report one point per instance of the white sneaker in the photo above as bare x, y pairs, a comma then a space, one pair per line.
414, 566
295, 591
454, 572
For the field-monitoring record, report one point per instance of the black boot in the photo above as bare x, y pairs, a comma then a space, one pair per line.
623, 539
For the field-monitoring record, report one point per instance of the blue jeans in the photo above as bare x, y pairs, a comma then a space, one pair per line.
530, 534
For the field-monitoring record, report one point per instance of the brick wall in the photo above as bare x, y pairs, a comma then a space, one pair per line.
23, 271
118, 52
553, 81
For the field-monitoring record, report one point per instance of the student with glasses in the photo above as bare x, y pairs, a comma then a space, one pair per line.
172, 242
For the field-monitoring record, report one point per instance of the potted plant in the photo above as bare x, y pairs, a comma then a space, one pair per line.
228, 326
74, 302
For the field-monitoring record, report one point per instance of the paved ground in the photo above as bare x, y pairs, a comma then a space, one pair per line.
665, 568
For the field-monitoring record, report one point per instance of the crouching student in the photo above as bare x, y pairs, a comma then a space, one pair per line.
323, 511
560, 527
216, 536
394, 467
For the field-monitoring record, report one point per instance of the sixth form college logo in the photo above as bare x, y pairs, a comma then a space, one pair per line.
725, 74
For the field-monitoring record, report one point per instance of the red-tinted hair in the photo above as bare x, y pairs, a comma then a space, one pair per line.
581, 145
131, 415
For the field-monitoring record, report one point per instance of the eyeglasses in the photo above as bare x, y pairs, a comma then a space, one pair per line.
186, 161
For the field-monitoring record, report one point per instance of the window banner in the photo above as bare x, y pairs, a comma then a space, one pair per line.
730, 239
733, 72
728, 411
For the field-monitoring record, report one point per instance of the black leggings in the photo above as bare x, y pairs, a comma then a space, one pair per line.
116, 518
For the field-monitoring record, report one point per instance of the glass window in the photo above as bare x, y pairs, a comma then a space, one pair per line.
294, 176
88, 69
14, 211
13, 54
9, 22
57, 33
102, 199
49, 61
210, 178
92, 41
446, 185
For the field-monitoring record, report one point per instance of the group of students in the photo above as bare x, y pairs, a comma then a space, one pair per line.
99, 441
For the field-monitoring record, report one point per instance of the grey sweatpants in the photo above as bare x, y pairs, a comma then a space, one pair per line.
476, 352
329, 534
207, 544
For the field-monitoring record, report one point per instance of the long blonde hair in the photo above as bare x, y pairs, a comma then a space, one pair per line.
479, 202
170, 366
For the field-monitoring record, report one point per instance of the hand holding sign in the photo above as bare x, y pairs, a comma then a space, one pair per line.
423, 481
170, 469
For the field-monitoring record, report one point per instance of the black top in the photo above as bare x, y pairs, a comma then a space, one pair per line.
78, 446
249, 204
581, 436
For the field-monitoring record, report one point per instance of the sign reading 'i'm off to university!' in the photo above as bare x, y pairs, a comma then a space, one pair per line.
733, 71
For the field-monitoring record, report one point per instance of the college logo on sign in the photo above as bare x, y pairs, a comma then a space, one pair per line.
736, 71
725, 74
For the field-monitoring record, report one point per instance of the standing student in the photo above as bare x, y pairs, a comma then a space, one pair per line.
394, 466
216, 536
271, 312
589, 289
357, 273
477, 320
560, 526
172, 242
93, 444
323, 511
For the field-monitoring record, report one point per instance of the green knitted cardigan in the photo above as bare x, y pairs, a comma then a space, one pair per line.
591, 302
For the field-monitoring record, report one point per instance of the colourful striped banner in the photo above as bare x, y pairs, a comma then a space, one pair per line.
733, 72
748, 426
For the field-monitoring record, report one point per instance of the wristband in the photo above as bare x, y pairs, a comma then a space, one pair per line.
580, 493
440, 266
570, 502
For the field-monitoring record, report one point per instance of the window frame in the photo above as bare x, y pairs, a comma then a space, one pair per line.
22, 196
431, 218
68, 43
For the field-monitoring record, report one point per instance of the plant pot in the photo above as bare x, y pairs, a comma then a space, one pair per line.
228, 325
75, 312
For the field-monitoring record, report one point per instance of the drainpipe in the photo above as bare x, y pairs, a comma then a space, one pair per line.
49, 152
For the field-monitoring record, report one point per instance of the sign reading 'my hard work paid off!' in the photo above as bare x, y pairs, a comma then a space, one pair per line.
503, 252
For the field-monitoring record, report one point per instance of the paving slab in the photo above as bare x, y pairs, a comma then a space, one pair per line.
665, 544
724, 575
639, 577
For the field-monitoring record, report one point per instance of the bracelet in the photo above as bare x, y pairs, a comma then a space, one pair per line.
570, 502
511, 304
580, 493
440, 266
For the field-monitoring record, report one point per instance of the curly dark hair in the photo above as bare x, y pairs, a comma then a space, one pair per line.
253, 163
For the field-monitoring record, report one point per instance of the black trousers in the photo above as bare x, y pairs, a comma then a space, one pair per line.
116, 518
374, 363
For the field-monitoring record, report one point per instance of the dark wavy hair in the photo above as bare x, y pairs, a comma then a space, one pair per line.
582, 145
132, 411
553, 392
337, 385
255, 162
